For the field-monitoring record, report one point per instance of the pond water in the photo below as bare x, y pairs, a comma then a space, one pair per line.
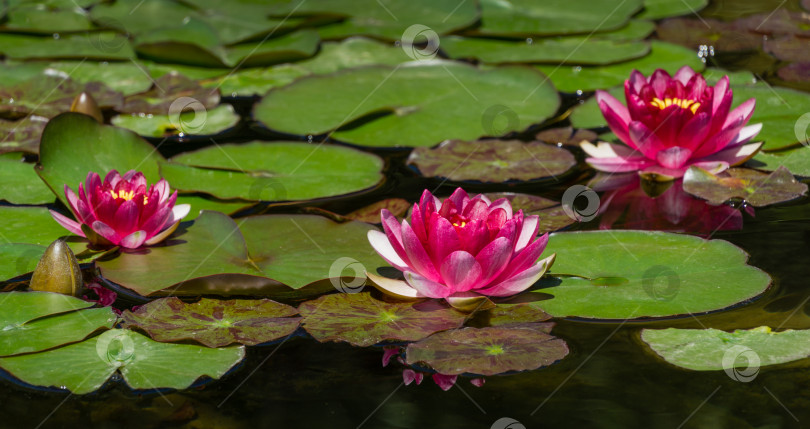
610, 379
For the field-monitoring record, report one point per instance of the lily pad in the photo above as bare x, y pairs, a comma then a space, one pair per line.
22, 135
795, 72
48, 96
39, 18
527, 18
17, 259
715, 350
797, 160
74, 144
361, 320
68, 47
487, 351
30, 225
492, 161
788, 48
722, 35
552, 214
565, 136
125, 77
287, 48
657, 9
633, 274
385, 106
776, 22
756, 188
144, 364
200, 203
204, 122
778, 109
296, 250
573, 49
278, 171
214, 322
662, 55
166, 92
21, 185
36, 321
385, 18
511, 314
371, 212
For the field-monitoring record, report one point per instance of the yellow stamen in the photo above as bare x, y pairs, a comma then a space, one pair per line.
682, 103
126, 195
460, 225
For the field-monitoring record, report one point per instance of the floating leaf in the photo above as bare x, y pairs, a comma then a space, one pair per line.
384, 18
21, 185
288, 48
70, 47
492, 160
632, 274
468, 101
757, 189
36, 321
125, 77
199, 203
487, 351
214, 322
565, 136
278, 171
572, 49
70, 139
371, 213
776, 22
797, 160
795, 72
34, 18
722, 35
31, 225
778, 109
715, 350
144, 364
526, 18
17, 259
787, 48
22, 135
552, 215
510, 314
204, 122
657, 9
360, 320
49, 96
165, 93
662, 55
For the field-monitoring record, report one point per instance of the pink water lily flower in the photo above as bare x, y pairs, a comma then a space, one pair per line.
672, 123
461, 248
122, 211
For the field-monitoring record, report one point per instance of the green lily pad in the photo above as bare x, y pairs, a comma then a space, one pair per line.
133, 17
214, 322
39, 18
333, 56
633, 274
662, 55
487, 351
204, 122
242, 20
797, 160
143, 363
361, 320
722, 35
574, 49
125, 77
189, 41
17, 259
199, 203
756, 188
657, 9
279, 171
778, 109
277, 247
30, 225
511, 314
22, 135
399, 102
36, 321
385, 18
492, 160
49, 96
527, 18
287, 48
165, 94
715, 350
67, 47
21, 185
74, 144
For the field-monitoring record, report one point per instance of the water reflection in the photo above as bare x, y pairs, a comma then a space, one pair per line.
628, 202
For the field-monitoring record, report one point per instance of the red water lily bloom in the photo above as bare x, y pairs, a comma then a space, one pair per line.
122, 211
672, 123
461, 248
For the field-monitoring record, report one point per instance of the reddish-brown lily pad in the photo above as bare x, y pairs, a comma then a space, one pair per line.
172, 94
795, 72
214, 322
361, 320
22, 135
566, 136
757, 188
788, 48
511, 314
487, 351
48, 96
371, 213
552, 215
780, 21
492, 160
723, 36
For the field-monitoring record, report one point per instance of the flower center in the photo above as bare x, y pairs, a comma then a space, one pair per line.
126, 196
458, 221
682, 103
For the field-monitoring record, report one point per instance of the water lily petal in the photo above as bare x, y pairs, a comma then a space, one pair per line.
68, 223
445, 382
674, 157
493, 259
442, 239
460, 271
531, 224
396, 288
106, 232
379, 241
521, 281
418, 259
426, 287
134, 240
